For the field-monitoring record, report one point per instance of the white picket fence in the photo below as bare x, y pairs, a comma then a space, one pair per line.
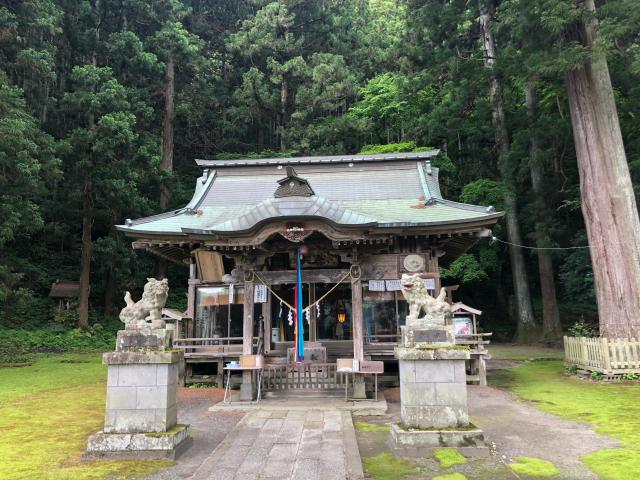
609, 356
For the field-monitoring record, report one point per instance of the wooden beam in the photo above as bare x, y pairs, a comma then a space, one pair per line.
280, 277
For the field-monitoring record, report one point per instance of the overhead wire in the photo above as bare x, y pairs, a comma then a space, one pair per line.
529, 247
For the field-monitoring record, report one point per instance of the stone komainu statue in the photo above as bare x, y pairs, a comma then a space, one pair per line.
436, 310
147, 311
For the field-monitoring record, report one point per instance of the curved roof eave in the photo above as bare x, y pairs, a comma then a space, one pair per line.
134, 232
488, 219
203, 184
494, 216
185, 232
256, 227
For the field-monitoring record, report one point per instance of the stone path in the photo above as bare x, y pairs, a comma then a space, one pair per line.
287, 444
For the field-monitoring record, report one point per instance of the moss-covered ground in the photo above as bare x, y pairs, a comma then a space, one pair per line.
372, 427
387, 466
614, 410
450, 476
534, 467
505, 351
47, 411
448, 457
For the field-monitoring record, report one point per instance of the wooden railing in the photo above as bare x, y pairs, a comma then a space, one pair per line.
211, 347
476, 341
311, 376
609, 356
387, 338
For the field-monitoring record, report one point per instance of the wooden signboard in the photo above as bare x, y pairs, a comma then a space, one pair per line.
371, 366
210, 267
345, 364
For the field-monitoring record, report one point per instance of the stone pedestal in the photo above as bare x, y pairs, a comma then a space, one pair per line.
246, 387
142, 386
142, 390
433, 390
359, 387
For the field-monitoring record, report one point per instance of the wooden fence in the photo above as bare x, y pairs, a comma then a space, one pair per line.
609, 356
315, 376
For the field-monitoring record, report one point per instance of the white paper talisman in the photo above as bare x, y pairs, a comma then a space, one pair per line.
392, 285
376, 285
232, 294
430, 283
259, 293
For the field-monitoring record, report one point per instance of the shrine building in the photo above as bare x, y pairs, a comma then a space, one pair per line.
358, 221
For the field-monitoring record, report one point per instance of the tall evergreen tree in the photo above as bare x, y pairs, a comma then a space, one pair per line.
608, 200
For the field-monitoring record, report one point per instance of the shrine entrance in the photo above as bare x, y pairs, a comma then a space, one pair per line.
331, 319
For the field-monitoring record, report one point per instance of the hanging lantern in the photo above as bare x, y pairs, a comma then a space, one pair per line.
342, 316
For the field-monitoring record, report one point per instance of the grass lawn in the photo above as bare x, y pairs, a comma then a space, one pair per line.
47, 411
507, 351
614, 410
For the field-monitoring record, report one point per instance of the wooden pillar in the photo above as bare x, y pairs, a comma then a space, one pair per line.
247, 321
246, 389
191, 299
357, 318
313, 313
359, 390
266, 313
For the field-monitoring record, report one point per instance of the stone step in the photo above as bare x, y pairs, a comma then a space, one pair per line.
304, 393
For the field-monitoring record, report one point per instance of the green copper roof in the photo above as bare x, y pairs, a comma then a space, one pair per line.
398, 191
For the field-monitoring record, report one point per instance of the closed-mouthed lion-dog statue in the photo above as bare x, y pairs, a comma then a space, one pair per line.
436, 310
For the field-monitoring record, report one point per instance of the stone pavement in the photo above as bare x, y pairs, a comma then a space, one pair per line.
311, 443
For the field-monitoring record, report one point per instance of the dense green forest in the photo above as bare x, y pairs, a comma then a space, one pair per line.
104, 104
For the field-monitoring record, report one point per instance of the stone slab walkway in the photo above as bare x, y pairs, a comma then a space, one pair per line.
283, 444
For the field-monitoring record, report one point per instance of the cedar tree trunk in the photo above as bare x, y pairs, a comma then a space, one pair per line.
608, 201
87, 215
167, 130
527, 328
167, 147
551, 328
109, 292
85, 256
284, 98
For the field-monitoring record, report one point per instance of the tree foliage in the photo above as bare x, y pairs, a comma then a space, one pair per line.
82, 97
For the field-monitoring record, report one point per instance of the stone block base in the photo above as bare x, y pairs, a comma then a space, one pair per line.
139, 445
464, 437
142, 391
433, 391
359, 388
